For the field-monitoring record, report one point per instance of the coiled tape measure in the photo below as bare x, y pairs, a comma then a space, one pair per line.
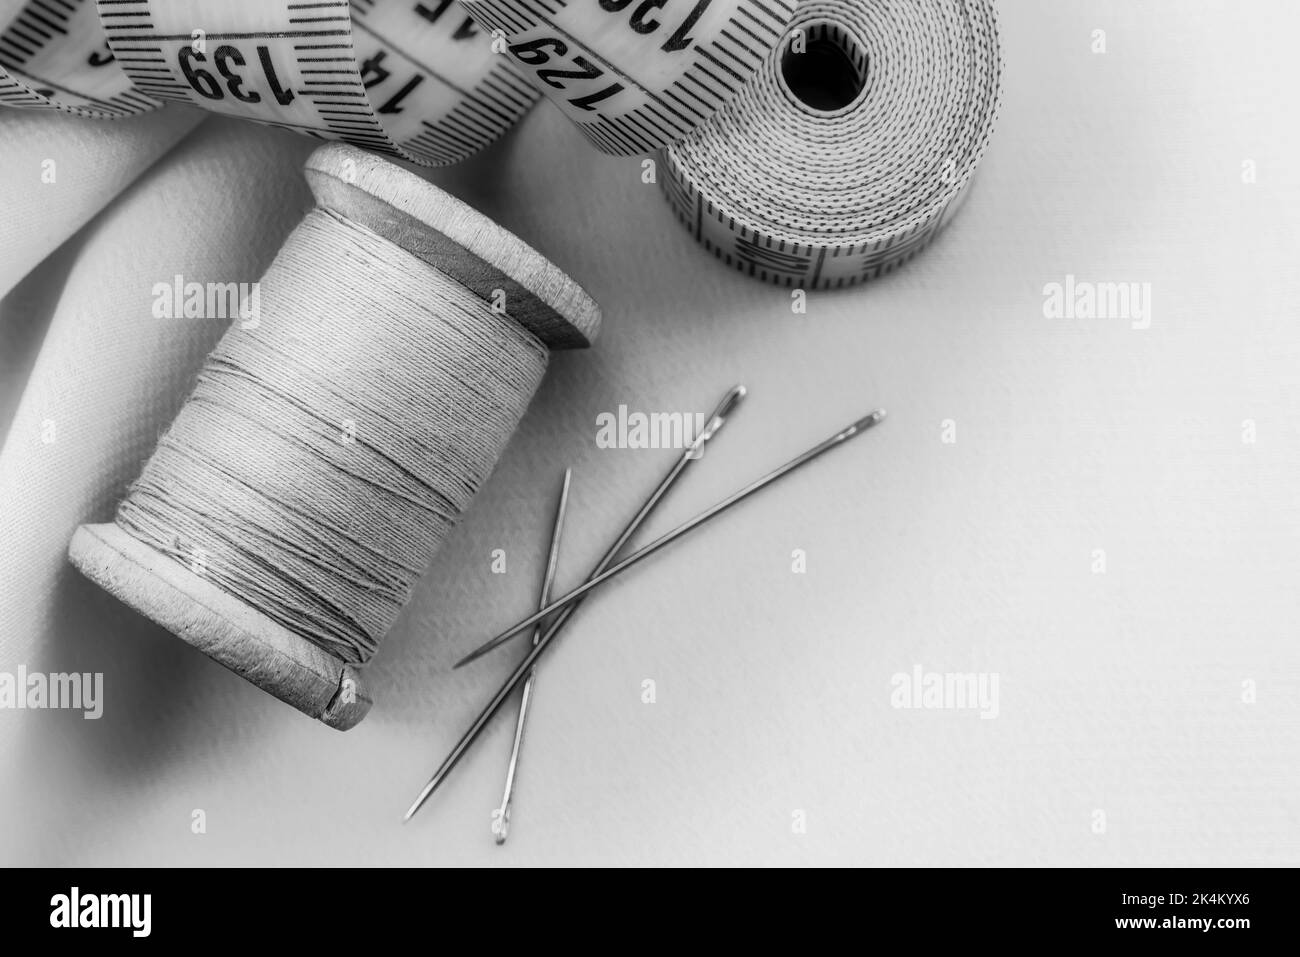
636, 75
853, 146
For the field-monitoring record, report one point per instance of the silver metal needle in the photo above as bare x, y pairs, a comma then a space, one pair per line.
501, 816
696, 450
856, 428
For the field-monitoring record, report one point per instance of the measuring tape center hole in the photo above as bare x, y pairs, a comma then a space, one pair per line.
823, 67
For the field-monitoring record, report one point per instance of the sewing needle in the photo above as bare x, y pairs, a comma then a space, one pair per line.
856, 428
501, 816
696, 450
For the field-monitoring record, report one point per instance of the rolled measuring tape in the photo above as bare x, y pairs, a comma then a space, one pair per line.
54, 56
852, 147
418, 81
636, 75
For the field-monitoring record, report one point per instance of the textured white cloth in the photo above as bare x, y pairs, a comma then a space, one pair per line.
60, 170
109, 376
1121, 692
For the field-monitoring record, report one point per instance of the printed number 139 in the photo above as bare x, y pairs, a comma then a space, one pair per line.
225, 58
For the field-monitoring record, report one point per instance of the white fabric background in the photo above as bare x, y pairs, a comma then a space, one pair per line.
1120, 692
92, 163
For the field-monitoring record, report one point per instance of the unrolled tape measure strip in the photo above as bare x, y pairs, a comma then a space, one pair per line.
636, 75
851, 148
53, 55
416, 80
413, 80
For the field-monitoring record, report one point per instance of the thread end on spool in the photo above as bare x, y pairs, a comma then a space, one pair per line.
281, 663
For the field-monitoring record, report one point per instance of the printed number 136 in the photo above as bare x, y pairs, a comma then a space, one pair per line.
641, 21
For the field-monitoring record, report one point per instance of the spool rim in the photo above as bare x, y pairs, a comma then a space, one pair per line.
231, 632
456, 239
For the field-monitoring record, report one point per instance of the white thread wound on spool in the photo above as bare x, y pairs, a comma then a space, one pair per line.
258, 483
838, 168
401, 215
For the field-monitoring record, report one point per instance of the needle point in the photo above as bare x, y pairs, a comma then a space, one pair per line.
728, 403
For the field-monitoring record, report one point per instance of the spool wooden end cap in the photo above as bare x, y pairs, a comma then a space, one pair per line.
221, 626
457, 239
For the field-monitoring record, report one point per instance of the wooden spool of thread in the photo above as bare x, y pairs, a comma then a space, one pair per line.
327, 447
